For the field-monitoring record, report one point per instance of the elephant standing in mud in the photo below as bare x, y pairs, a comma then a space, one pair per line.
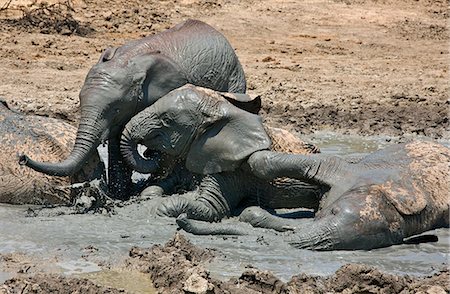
215, 138
376, 201
129, 78
46, 139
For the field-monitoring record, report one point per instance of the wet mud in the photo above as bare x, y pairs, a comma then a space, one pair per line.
358, 67
180, 267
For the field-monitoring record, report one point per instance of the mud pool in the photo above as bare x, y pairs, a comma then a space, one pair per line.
75, 244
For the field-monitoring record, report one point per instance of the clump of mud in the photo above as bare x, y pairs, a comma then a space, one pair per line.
47, 18
176, 266
179, 267
51, 283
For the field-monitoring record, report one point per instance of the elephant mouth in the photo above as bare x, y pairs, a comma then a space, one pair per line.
165, 161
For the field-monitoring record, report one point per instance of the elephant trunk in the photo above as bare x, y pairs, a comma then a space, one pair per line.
321, 234
90, 131
129, 150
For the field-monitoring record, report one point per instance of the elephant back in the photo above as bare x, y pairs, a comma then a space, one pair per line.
202, 53
286, 142
47, 139
211, 57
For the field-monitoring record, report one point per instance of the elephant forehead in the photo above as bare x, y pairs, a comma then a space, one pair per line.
192, 102
175, 110
190, 94
109, 73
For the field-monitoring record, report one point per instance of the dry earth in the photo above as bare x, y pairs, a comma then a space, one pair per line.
354, 66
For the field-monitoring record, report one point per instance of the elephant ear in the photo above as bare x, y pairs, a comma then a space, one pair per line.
407, 197
225, 143
244, 101
162, 75
108, 54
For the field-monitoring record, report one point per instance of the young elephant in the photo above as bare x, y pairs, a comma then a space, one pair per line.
129, 78
375, 202
215, 138
46, 139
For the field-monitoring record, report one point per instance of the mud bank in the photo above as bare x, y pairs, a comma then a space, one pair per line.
180, 267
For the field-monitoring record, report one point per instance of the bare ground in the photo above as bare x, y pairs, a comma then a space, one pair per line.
352, 66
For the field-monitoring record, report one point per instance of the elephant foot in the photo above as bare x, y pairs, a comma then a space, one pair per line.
260, 218
206, 228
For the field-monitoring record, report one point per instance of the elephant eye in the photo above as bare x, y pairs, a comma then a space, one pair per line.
335, 211
165, 121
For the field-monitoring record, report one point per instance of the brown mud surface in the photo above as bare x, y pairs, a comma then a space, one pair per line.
180, 267
367, 67
352, 66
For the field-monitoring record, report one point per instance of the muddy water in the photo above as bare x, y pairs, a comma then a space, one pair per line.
76, 244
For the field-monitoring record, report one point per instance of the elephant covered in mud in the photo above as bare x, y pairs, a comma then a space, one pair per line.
215, 138
131, 77
46, 139
376, 201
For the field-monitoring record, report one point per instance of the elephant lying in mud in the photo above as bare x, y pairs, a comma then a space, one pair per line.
215, 138
131, 77
46, 139
363, 203
374, 202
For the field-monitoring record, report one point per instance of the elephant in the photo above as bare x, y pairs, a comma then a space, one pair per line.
377, 201
214, 138
47, 139
131, 77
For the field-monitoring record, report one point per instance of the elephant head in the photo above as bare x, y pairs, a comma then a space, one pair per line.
116, 88
198, 125
131, 77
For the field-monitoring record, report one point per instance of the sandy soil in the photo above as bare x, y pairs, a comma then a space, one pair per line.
353, 66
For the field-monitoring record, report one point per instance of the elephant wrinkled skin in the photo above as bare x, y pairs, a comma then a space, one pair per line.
46, 139
131, 77
374, 202
215, 138
362, 202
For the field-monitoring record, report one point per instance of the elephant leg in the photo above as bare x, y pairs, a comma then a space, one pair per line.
119, 174
261, 218
174, 206
317, 169
216, 198
197, 227
181, 179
